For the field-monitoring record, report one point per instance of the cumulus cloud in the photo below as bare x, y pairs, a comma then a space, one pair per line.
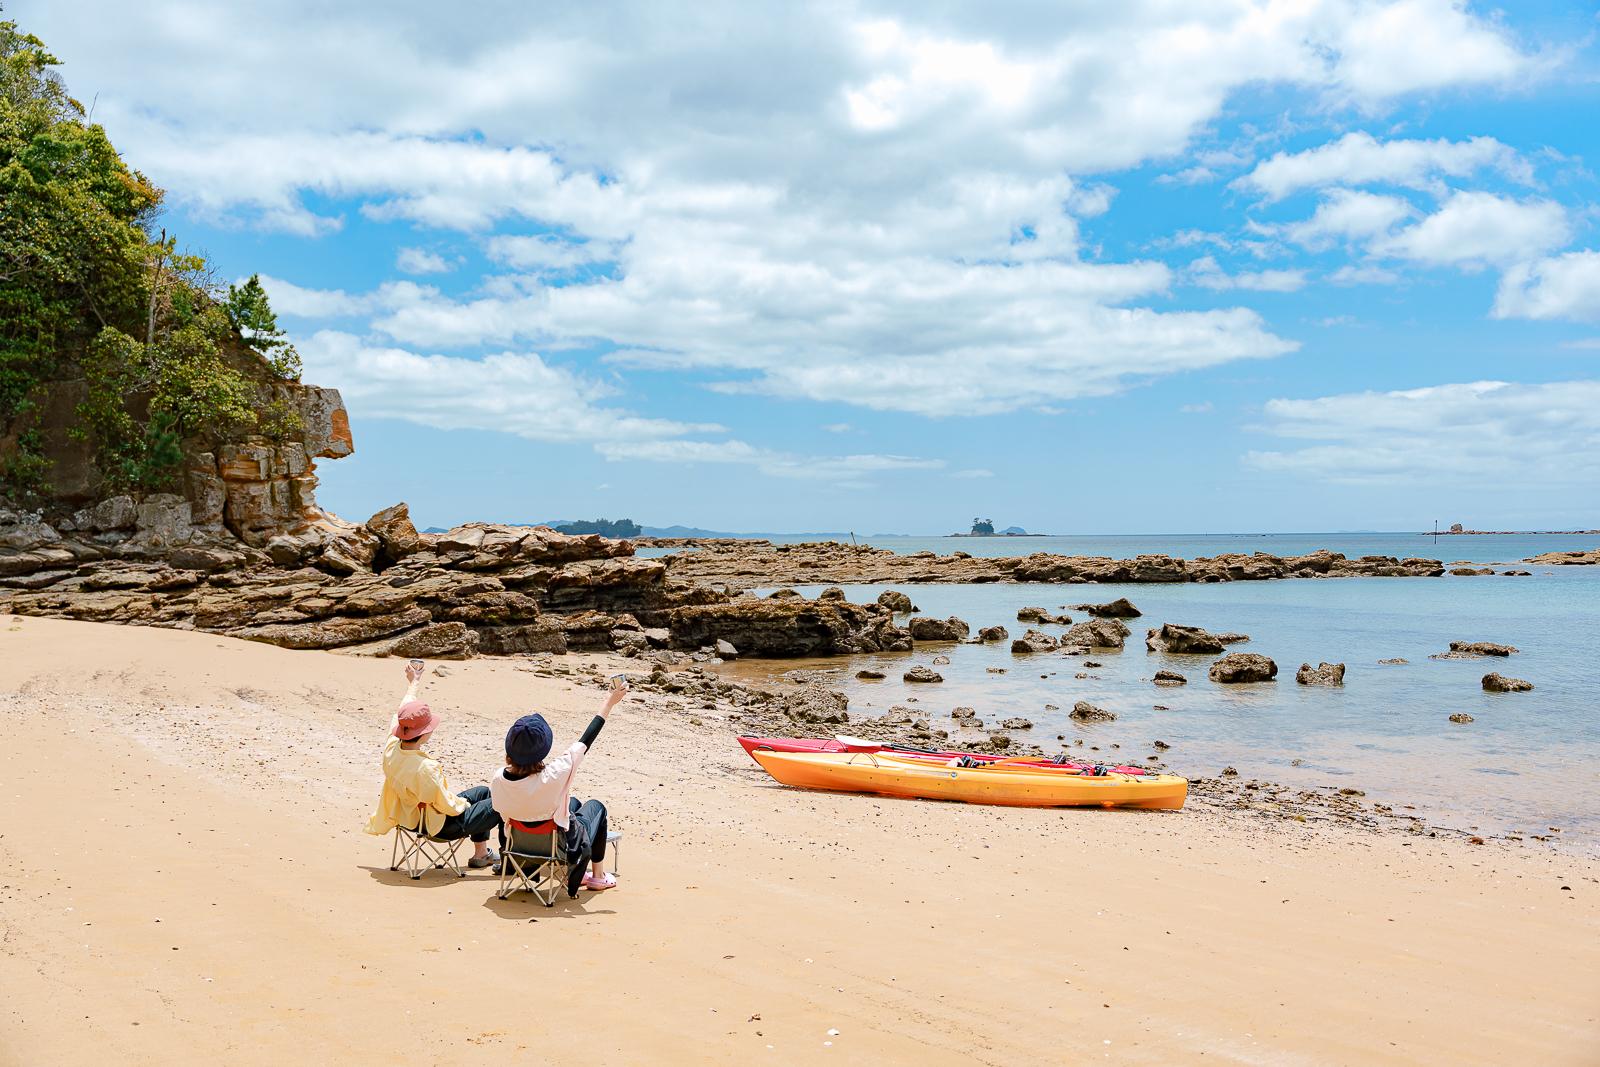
421, 261
520, 393
1491, 435
1472, 228
1559, 287
1361, 159
878, 205
1349, 215
1206, 273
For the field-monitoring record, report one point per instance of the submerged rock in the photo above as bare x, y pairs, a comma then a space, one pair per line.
1170, 678
1083, 711
920, 673
1498, 683
1243, 667
869, 674
1097, 633
993, 633
1016, 723
1041, 615
1034, 641
1183, 640
1321, 674
1394, 661
1461, 717
1120, 608
1482, 648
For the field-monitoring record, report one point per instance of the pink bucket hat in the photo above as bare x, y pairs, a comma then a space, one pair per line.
416, 720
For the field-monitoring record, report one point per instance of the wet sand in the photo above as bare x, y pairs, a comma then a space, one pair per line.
246, 918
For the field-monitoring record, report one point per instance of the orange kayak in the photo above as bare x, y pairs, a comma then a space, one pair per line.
1012, 785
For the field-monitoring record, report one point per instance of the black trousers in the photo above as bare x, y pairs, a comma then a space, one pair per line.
476, 822
586, 839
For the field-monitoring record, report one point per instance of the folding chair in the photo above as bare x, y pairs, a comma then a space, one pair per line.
535, 859
417, 851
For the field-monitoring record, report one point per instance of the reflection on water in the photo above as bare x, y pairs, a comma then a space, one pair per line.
1527, 762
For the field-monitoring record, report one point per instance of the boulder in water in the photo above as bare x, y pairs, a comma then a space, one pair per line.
1184, 640
1083, 711
920, 673
1238, 667
1321, 674
925, 629
1499, 683
1120, 608
1034, 641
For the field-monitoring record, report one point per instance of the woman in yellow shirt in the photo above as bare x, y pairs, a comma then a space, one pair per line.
415, 789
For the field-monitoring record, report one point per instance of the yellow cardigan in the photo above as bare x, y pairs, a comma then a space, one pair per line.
412, 778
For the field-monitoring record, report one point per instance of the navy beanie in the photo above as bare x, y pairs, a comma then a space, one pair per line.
528, 741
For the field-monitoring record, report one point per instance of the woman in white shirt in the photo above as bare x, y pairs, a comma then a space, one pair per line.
532, 789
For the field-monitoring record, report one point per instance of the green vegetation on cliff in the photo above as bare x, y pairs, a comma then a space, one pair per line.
91, 293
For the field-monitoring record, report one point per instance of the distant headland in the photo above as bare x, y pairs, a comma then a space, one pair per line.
1456, 529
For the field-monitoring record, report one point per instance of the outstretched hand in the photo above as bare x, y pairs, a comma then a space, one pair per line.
619, 689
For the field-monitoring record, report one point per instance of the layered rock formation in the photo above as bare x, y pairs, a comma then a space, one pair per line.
384, 589
739, 563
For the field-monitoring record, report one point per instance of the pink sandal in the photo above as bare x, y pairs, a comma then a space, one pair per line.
598, 884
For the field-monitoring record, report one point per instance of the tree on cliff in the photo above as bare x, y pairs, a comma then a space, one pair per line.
88, 292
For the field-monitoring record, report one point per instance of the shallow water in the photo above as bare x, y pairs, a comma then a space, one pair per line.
1528, 761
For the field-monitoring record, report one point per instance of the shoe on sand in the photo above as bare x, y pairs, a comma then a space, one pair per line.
607, 881
488, 859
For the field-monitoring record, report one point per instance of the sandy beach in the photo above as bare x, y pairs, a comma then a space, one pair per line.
187, 880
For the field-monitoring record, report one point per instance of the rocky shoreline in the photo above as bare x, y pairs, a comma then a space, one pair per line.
742, 564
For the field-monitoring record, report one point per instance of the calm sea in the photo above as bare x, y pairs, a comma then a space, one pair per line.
1528, 762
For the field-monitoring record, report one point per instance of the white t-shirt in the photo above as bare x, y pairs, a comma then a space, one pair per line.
539, 796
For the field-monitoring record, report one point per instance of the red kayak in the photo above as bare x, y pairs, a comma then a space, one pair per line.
834, 744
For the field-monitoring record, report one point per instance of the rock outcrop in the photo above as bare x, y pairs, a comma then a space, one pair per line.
1238, 667
1321, 674
896, 601
925, 675
1186, 640
1096, 633
1120, 608
1041, 615
1034, 641
740, 563
1482, 648
1499, 683
993, 633
923, 628
1083, 711
1169, 678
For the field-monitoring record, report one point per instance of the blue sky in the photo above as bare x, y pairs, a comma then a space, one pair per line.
1224, 266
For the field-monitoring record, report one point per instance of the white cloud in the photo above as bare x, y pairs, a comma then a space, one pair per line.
1206, 273
1361, 159
1490, 435
519, 393
294, 301
1202, 408
1363, 274
1560, 287
975, 472
821, 202
421, 261
1473, 228
1349, 215
837, 427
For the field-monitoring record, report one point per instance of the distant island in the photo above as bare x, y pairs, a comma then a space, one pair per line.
1456, 529
985, 528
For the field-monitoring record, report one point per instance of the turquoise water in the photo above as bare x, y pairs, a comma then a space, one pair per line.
1528, 761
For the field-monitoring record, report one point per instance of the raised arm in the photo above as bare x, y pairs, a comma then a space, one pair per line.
414, 672
619, 689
